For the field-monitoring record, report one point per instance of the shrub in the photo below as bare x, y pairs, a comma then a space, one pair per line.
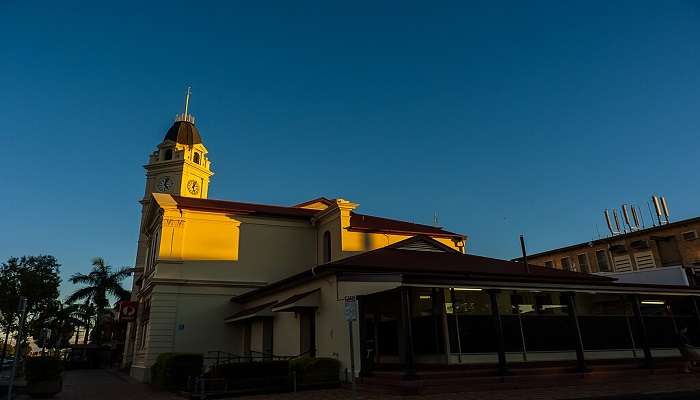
315, 371
171, 370
39, 369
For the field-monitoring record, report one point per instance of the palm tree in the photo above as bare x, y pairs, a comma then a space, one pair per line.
84, 313
100, 284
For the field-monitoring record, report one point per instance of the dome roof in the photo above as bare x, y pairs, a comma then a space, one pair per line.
183, 132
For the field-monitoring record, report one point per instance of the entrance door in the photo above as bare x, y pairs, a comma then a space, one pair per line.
668, 251
307, 325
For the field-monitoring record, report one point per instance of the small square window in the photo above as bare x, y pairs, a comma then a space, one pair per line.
690, 235
549, 264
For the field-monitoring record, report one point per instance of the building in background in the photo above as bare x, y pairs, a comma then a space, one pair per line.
665, 253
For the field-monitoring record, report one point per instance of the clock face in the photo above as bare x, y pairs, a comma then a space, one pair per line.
193, 186
165, 184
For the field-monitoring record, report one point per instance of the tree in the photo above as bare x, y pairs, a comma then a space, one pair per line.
100, 284
61, 321
34, 277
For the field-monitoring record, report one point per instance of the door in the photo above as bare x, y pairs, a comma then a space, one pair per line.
307, 325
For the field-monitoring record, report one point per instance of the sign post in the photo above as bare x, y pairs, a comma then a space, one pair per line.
22, 311
351, 315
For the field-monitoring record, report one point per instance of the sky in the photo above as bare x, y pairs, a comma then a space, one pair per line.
501, 118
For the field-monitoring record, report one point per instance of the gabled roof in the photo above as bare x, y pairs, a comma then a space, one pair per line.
369, 223
422, 257
397, 259
321, 200
358, 222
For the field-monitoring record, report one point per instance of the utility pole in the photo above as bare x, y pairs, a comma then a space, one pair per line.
22, 311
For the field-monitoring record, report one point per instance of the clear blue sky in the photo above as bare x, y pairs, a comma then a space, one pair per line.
501, 117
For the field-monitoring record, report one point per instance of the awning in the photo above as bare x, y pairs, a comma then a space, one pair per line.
261, 311
300, 301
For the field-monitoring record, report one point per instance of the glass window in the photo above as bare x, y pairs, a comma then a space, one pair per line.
583, 263
601, 257
549, 264
470, 321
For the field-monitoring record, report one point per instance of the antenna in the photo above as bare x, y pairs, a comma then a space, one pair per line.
635, 218
617, 221
665, 208
657, 207
435, 219
626, 216
607, 220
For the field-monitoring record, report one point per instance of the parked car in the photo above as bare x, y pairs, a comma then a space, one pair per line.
8, 362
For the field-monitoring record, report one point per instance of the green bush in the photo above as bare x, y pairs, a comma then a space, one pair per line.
39, 369
315, 371
172, 370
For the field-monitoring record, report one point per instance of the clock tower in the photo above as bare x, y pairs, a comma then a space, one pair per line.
180, 165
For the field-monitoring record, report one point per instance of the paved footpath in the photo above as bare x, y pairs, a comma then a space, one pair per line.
110, 385
97, 384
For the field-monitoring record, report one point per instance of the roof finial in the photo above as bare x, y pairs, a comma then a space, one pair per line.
187, 100
186, 115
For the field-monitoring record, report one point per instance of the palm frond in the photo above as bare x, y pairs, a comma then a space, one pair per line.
81, 294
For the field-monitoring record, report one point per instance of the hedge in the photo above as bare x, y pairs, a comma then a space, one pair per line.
172, 370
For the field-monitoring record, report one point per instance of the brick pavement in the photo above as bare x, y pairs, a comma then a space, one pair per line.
110, 385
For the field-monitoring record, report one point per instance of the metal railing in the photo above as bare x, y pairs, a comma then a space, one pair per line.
203, 386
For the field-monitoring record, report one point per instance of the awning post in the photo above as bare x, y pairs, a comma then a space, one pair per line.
498, 325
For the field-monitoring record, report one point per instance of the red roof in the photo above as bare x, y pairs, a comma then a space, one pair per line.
394, 259
358, 222
369, 223
242, 208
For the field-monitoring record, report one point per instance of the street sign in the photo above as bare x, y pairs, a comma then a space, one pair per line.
127, 310
350, 308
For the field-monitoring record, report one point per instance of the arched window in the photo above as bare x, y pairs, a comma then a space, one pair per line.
168, 154
196, 158
326, 247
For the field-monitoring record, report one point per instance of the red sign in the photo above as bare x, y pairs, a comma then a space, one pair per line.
127, 310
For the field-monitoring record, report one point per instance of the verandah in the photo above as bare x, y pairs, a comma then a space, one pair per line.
412, 325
